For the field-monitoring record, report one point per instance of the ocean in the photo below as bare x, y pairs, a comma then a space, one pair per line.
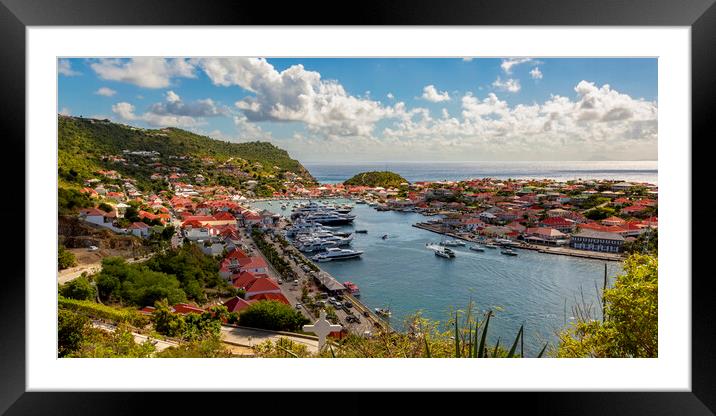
631, 171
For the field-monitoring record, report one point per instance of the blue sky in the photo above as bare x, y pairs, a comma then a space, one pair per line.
370, 109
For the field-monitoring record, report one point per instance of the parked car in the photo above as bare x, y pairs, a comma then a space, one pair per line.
92, 248
348, 305
338, 305
298, 306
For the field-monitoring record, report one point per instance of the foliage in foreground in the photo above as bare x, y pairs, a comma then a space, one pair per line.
464, 336
65, 258
272, 315
207, 347
80, 289
77, 338
192, 326
630, 327
99, 311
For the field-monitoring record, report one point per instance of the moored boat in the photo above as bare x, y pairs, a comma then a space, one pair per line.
352, 288
477, 248
509, 252
452, 243
337, 254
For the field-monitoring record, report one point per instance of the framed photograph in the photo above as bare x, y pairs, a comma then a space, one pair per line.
357, 208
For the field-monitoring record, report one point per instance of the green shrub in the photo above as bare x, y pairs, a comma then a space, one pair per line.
272, 315
99, 311
80, 288
65, 258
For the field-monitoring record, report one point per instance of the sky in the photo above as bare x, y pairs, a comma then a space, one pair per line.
384, 109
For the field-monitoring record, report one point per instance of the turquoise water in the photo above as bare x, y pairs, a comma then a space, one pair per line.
401, 274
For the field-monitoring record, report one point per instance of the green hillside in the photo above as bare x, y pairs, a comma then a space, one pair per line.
85, 144
384, 178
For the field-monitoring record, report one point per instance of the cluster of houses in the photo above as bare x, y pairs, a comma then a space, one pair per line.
245, 272
543, 212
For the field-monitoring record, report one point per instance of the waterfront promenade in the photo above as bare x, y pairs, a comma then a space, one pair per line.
292, 290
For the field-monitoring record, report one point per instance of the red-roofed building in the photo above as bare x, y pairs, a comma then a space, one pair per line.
225, 216
185, 308
250, 218
89, 191
613, 222
271, 296
559, 223
634, 209
243, 280
261, 286
139, 229
253, 264
236, 304
150, 216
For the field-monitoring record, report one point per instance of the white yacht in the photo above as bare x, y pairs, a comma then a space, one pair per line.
477, 248
337, 254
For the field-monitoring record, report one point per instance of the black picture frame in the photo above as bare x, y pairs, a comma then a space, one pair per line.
16, 15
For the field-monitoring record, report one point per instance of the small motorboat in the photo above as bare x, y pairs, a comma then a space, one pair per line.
361, 231
441, 251
477, 248
384, 237
509, 252
490, 246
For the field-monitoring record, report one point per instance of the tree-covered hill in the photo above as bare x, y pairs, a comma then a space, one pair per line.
84, 144
383, 178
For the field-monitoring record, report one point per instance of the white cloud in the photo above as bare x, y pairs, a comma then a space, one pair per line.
430, 93
248, 130
64, 67
535, 73
125, 111
508, 64
65, 111
390, 96
295, 94
105, 92
511, 85
174, 105
599, 120
144, 72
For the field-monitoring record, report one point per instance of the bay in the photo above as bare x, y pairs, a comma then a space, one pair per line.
400, 273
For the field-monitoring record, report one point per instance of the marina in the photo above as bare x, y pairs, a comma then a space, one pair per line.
398, 274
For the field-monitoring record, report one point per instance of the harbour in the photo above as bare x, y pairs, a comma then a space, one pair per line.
400, 274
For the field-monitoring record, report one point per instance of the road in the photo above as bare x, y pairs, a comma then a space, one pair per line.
159, 344
252, 337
